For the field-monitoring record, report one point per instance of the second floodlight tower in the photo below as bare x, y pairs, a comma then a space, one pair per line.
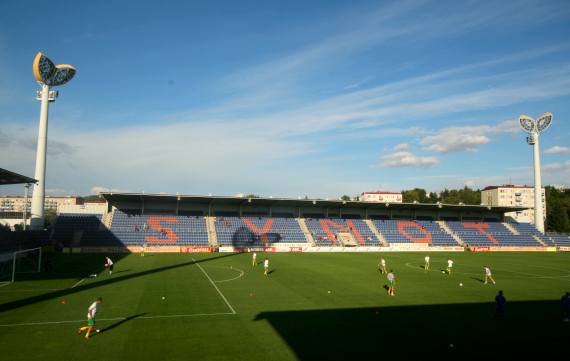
47, 75
534, 128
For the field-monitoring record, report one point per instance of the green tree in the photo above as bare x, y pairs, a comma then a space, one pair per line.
50, 217
417, 194
557, 219
345, 198
557, 210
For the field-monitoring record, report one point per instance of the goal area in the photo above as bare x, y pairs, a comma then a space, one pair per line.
18, 263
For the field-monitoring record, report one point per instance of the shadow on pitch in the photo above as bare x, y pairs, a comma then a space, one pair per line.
119, 323
111, 280
478, 279
423, 330
121, 271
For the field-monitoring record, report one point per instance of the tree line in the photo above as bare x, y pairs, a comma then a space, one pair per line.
557, 202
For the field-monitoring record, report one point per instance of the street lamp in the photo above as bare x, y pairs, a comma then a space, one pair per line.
46, 74
534, 128
26, 192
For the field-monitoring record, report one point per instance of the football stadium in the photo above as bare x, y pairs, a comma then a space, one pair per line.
135, 275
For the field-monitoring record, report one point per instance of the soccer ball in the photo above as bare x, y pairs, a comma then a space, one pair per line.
461, 285
443, 272
163, 297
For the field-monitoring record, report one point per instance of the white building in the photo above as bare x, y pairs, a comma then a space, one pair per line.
513, 195
381, 197
16, 203
89, 207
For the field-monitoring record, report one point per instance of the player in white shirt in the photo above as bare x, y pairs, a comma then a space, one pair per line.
391, 283
109, 264
266, 267
449, 266
254, 259
382, 266
426, 265
91, 312
488, 275
143, 249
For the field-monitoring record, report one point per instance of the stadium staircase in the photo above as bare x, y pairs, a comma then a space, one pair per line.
306, 231
108, 220
530, 231
374, 230
454, 235
536, 238
511, 228
212, 235
516, 232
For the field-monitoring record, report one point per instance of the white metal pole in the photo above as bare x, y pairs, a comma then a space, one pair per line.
25, 206
37, 212
14, 267
538, 211
40, 260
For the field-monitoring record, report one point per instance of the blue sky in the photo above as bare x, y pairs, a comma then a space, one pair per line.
318, 98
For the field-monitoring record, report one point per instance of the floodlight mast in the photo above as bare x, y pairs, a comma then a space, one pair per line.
46, 74
534, 128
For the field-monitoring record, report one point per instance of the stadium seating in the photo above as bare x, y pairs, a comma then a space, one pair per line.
400, 231
530, 230
257, 231
559, 240
131, 228
84, 228
159, 230
490, 234
324, 231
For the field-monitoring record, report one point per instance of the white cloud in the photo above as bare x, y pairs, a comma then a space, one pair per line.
101, 189
467, 138
557, 149
402, 146
450, 142
406, 159
557, 167
195, 157
56, 191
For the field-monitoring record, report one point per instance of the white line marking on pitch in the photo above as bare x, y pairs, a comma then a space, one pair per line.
115, 319
241, 273
78, 282
216, 287
34, 290
520, 274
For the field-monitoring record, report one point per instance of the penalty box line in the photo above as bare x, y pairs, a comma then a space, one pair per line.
46, 323
216, 287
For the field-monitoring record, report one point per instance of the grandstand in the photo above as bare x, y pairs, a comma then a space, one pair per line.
12, 241
131, 220
258, 231
420, 231
132, 228
490, 234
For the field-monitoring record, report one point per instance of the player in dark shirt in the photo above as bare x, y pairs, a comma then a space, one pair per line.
565, 304
500, 303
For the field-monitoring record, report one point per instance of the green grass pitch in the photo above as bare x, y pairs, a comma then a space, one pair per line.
219, 307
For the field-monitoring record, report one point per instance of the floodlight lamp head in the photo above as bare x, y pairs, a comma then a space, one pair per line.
527, 123
543, 122
45, 72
